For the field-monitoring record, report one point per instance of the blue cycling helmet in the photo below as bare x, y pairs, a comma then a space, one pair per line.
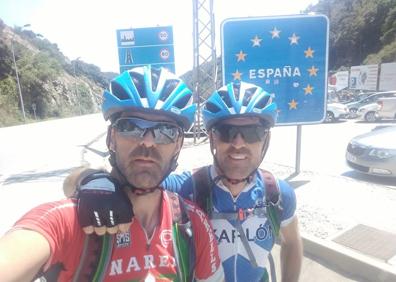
148, 89
239, 99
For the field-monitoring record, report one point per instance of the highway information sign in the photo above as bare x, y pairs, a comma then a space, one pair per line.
287, 56
143, 46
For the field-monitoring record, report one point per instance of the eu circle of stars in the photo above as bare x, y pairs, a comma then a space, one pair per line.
286, 56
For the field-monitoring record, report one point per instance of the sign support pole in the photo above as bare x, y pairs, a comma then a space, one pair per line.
298, 150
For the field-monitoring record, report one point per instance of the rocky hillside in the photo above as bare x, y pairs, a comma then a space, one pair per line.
361, 31
52, 86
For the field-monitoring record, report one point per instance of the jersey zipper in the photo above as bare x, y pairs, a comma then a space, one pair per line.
148, 240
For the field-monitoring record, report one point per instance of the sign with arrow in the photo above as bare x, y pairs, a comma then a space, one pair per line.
146, 46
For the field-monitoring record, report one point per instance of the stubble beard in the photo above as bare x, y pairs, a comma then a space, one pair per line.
236, 170
140, 176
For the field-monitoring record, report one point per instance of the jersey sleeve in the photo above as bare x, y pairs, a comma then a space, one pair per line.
179, 183
58, 223
208, 265
288, 197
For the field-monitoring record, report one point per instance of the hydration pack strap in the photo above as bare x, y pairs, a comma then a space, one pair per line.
202, 189
93, 267
272, 267
245, 243
241, 214
272, 200
183, 246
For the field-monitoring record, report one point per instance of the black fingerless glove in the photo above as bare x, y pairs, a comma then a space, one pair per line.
102, 202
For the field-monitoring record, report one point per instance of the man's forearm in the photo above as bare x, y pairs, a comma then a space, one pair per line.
291, 260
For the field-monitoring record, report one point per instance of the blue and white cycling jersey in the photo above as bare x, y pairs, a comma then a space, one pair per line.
235, 259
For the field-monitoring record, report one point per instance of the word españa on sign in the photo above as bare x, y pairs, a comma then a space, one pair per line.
286, 71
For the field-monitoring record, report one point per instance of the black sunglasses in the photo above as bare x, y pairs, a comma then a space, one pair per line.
164, 132
251, 133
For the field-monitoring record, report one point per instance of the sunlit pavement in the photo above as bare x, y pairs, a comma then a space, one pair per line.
330, 202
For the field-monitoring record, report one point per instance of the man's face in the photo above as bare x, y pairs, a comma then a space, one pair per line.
144, 156
239, 155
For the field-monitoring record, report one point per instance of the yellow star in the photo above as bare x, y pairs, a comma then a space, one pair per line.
293, 105
294, 39
309, 52
275, 33
256, 41
241, 56
312, 71
237, 75
308, 89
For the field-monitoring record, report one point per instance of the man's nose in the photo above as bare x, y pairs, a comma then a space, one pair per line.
238, 141
148, 139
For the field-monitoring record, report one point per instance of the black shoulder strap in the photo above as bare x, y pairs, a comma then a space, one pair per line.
272, 200
93, 261
272, 189
94, 258
202, 189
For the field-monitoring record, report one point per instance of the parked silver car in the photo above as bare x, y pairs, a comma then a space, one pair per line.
373, 98
374, 152
368, 112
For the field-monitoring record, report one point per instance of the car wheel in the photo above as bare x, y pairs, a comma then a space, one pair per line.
370, 117
353, 112
329, 117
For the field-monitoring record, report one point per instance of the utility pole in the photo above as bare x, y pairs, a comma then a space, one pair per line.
17, 75
75, 82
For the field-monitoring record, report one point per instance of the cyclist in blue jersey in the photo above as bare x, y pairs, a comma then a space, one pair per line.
248, 207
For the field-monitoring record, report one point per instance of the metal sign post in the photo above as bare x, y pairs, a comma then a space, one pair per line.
287, 56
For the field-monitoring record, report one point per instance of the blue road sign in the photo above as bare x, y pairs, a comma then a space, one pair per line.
287, 56
146, 46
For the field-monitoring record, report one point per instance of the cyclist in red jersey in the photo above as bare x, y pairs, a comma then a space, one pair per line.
148, 109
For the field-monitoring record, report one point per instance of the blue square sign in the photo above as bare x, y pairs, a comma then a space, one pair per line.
146, 46
287, 56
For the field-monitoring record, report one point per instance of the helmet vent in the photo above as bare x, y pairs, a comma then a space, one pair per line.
138, 81
263, 102
226, 98
212, 107
237, 90
155, 74
119, 91
183, 101
168, 88
248, 96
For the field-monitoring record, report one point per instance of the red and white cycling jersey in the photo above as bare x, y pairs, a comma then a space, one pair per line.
134, 256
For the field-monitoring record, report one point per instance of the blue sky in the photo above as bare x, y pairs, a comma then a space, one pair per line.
87, 29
